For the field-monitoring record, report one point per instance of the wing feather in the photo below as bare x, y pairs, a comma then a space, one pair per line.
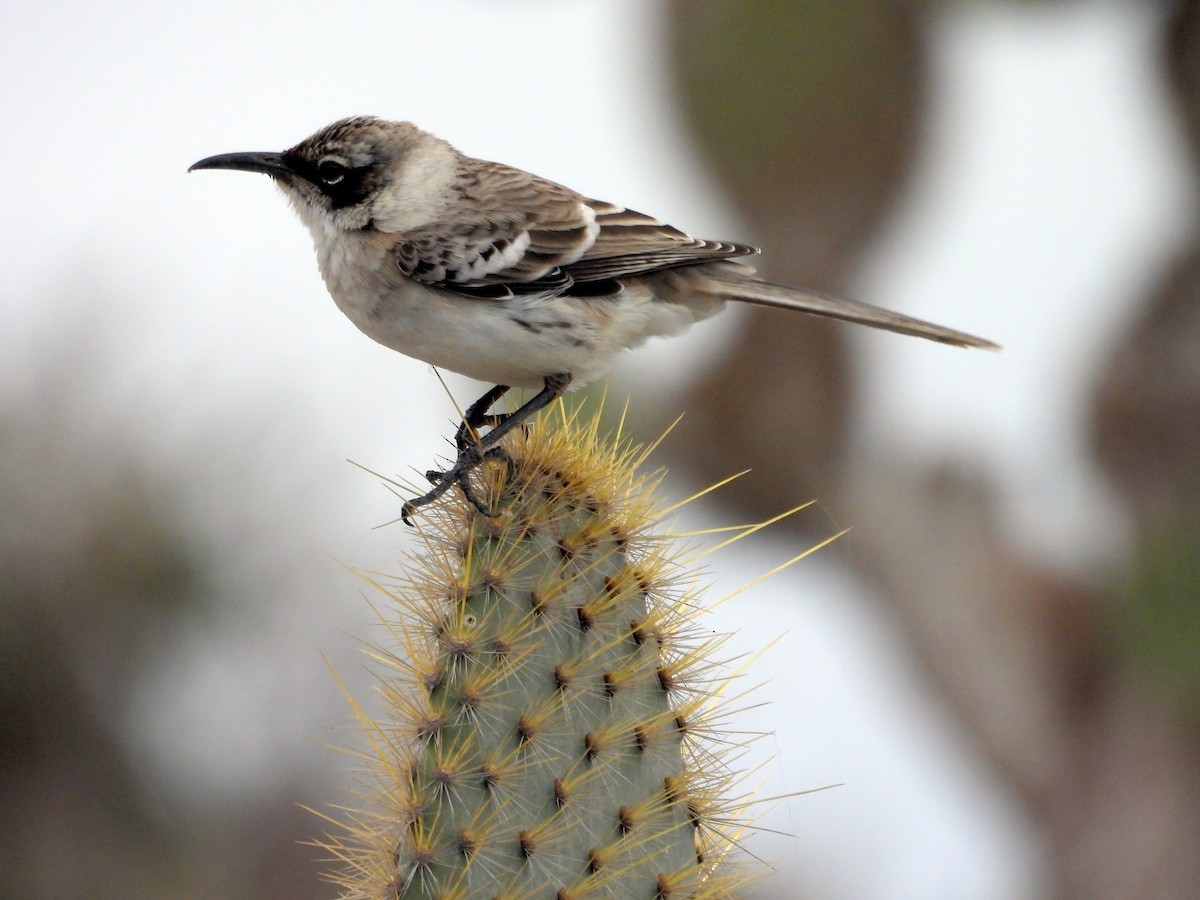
520, 234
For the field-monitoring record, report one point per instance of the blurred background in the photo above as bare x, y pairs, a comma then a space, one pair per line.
999, 666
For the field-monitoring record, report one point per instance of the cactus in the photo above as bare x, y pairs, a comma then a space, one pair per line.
550, 700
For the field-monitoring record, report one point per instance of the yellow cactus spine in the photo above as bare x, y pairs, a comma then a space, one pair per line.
550, 696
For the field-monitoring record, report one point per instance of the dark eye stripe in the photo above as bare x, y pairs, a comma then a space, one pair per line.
355, 185
352, 189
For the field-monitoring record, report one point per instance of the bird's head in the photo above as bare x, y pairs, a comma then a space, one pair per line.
357, 173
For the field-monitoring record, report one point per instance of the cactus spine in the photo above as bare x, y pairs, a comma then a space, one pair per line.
545, 732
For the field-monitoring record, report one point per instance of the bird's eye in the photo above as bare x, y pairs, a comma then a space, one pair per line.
331, 172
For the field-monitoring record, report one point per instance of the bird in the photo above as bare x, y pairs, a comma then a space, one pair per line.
507, 277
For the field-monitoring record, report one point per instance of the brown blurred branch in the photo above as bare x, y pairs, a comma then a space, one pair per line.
810, 113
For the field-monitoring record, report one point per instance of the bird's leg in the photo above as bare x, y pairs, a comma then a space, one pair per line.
477, 417
473, 454
464, 481
474, 418
554, 386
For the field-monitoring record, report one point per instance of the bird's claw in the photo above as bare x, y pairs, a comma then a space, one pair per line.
471, 455
458, 474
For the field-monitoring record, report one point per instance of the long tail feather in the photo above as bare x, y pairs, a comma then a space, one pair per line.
763, 293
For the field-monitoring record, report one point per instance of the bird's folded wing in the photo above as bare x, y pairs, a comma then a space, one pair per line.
515, 233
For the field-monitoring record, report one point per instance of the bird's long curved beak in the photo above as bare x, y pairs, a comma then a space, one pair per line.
268, 163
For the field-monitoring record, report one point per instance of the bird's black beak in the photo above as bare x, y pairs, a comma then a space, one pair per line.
272, 164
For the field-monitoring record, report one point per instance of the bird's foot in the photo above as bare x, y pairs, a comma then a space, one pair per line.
459, 474
472, 451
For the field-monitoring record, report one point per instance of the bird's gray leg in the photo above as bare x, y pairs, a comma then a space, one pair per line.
477, 417
473, 454
474, 418
464, 482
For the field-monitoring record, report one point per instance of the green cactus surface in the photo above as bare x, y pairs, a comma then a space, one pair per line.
549, 698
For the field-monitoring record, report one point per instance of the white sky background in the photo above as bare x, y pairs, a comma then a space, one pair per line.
1049, 192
